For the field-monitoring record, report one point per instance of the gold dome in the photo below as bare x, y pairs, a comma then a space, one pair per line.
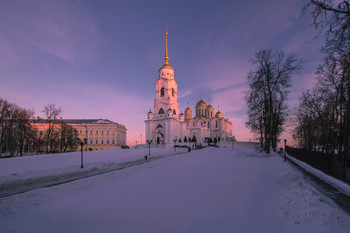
166, 66
219, 114
188, 109
201, 103
210, 107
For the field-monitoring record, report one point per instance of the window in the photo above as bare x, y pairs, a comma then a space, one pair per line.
112, 141
101, 141
102, 132
173, 92
96, 141
86, 131
90, 141
107, 131
107, 141
208, 124
161, 111
216, 123
174, 112
96, 131
80, 131
91, 133
162, 92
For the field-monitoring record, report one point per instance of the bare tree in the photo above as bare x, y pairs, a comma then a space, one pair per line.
51, 113
332, 19
269, 85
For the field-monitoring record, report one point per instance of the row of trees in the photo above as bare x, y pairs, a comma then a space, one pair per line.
323, 116
20, 133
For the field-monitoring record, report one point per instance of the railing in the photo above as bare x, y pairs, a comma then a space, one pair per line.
334, 165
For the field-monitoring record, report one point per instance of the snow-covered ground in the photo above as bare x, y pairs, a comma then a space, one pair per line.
25, 173
336, 183
209, 190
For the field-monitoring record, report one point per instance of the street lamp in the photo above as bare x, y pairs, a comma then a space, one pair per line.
285, 152
81, 143
149, 147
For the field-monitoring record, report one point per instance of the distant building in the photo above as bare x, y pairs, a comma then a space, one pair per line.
100, 133
166, 125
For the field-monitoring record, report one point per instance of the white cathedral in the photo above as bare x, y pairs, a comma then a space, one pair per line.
167, 126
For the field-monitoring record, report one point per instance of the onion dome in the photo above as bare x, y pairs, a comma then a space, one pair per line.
181, 114
210, 107
201, 103
150, 111
188, 108
219, 114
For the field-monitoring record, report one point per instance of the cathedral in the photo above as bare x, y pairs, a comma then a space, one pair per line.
166, 126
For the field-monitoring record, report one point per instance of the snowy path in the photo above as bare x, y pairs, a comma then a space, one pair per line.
210, 190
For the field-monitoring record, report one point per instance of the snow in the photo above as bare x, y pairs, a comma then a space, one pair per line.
208, 190
336, 183
24, 173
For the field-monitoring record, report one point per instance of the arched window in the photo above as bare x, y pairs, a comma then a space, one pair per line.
174, 112
173, 92
162, 92
161, 111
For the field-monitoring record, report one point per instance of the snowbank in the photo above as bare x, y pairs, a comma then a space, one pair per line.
338, 184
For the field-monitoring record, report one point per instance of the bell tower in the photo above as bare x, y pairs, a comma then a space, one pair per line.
165, 102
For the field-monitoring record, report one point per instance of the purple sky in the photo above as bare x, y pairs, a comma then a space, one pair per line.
99, 59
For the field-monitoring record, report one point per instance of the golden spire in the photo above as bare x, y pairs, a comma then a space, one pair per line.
166, 58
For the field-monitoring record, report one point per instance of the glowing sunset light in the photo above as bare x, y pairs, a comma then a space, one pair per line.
100, 59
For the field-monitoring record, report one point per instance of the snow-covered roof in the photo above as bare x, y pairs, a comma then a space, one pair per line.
78, 121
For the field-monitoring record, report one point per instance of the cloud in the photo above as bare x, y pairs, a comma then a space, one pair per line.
7, 53
66, 30
184, 92
266, 20
300, 40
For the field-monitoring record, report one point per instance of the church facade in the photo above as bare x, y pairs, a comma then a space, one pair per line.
166, 126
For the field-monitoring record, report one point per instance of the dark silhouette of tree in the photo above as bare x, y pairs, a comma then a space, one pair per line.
194, 139
325, 110
51, 113
268, 91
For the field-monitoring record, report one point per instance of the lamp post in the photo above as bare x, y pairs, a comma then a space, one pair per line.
285, 152
149, 147
81, 149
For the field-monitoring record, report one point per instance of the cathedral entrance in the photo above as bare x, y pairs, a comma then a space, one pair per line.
158, 140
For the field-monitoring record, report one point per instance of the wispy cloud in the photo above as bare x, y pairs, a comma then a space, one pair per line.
66, 30
7, 53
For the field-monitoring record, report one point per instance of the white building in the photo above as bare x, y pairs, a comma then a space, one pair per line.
167, 126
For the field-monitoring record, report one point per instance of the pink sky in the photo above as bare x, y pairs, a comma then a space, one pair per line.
99, 59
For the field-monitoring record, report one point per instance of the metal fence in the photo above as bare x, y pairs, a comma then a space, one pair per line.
337, 166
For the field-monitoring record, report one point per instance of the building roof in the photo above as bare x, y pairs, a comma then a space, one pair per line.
78, 121
201, 103
219, 114
210, 107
